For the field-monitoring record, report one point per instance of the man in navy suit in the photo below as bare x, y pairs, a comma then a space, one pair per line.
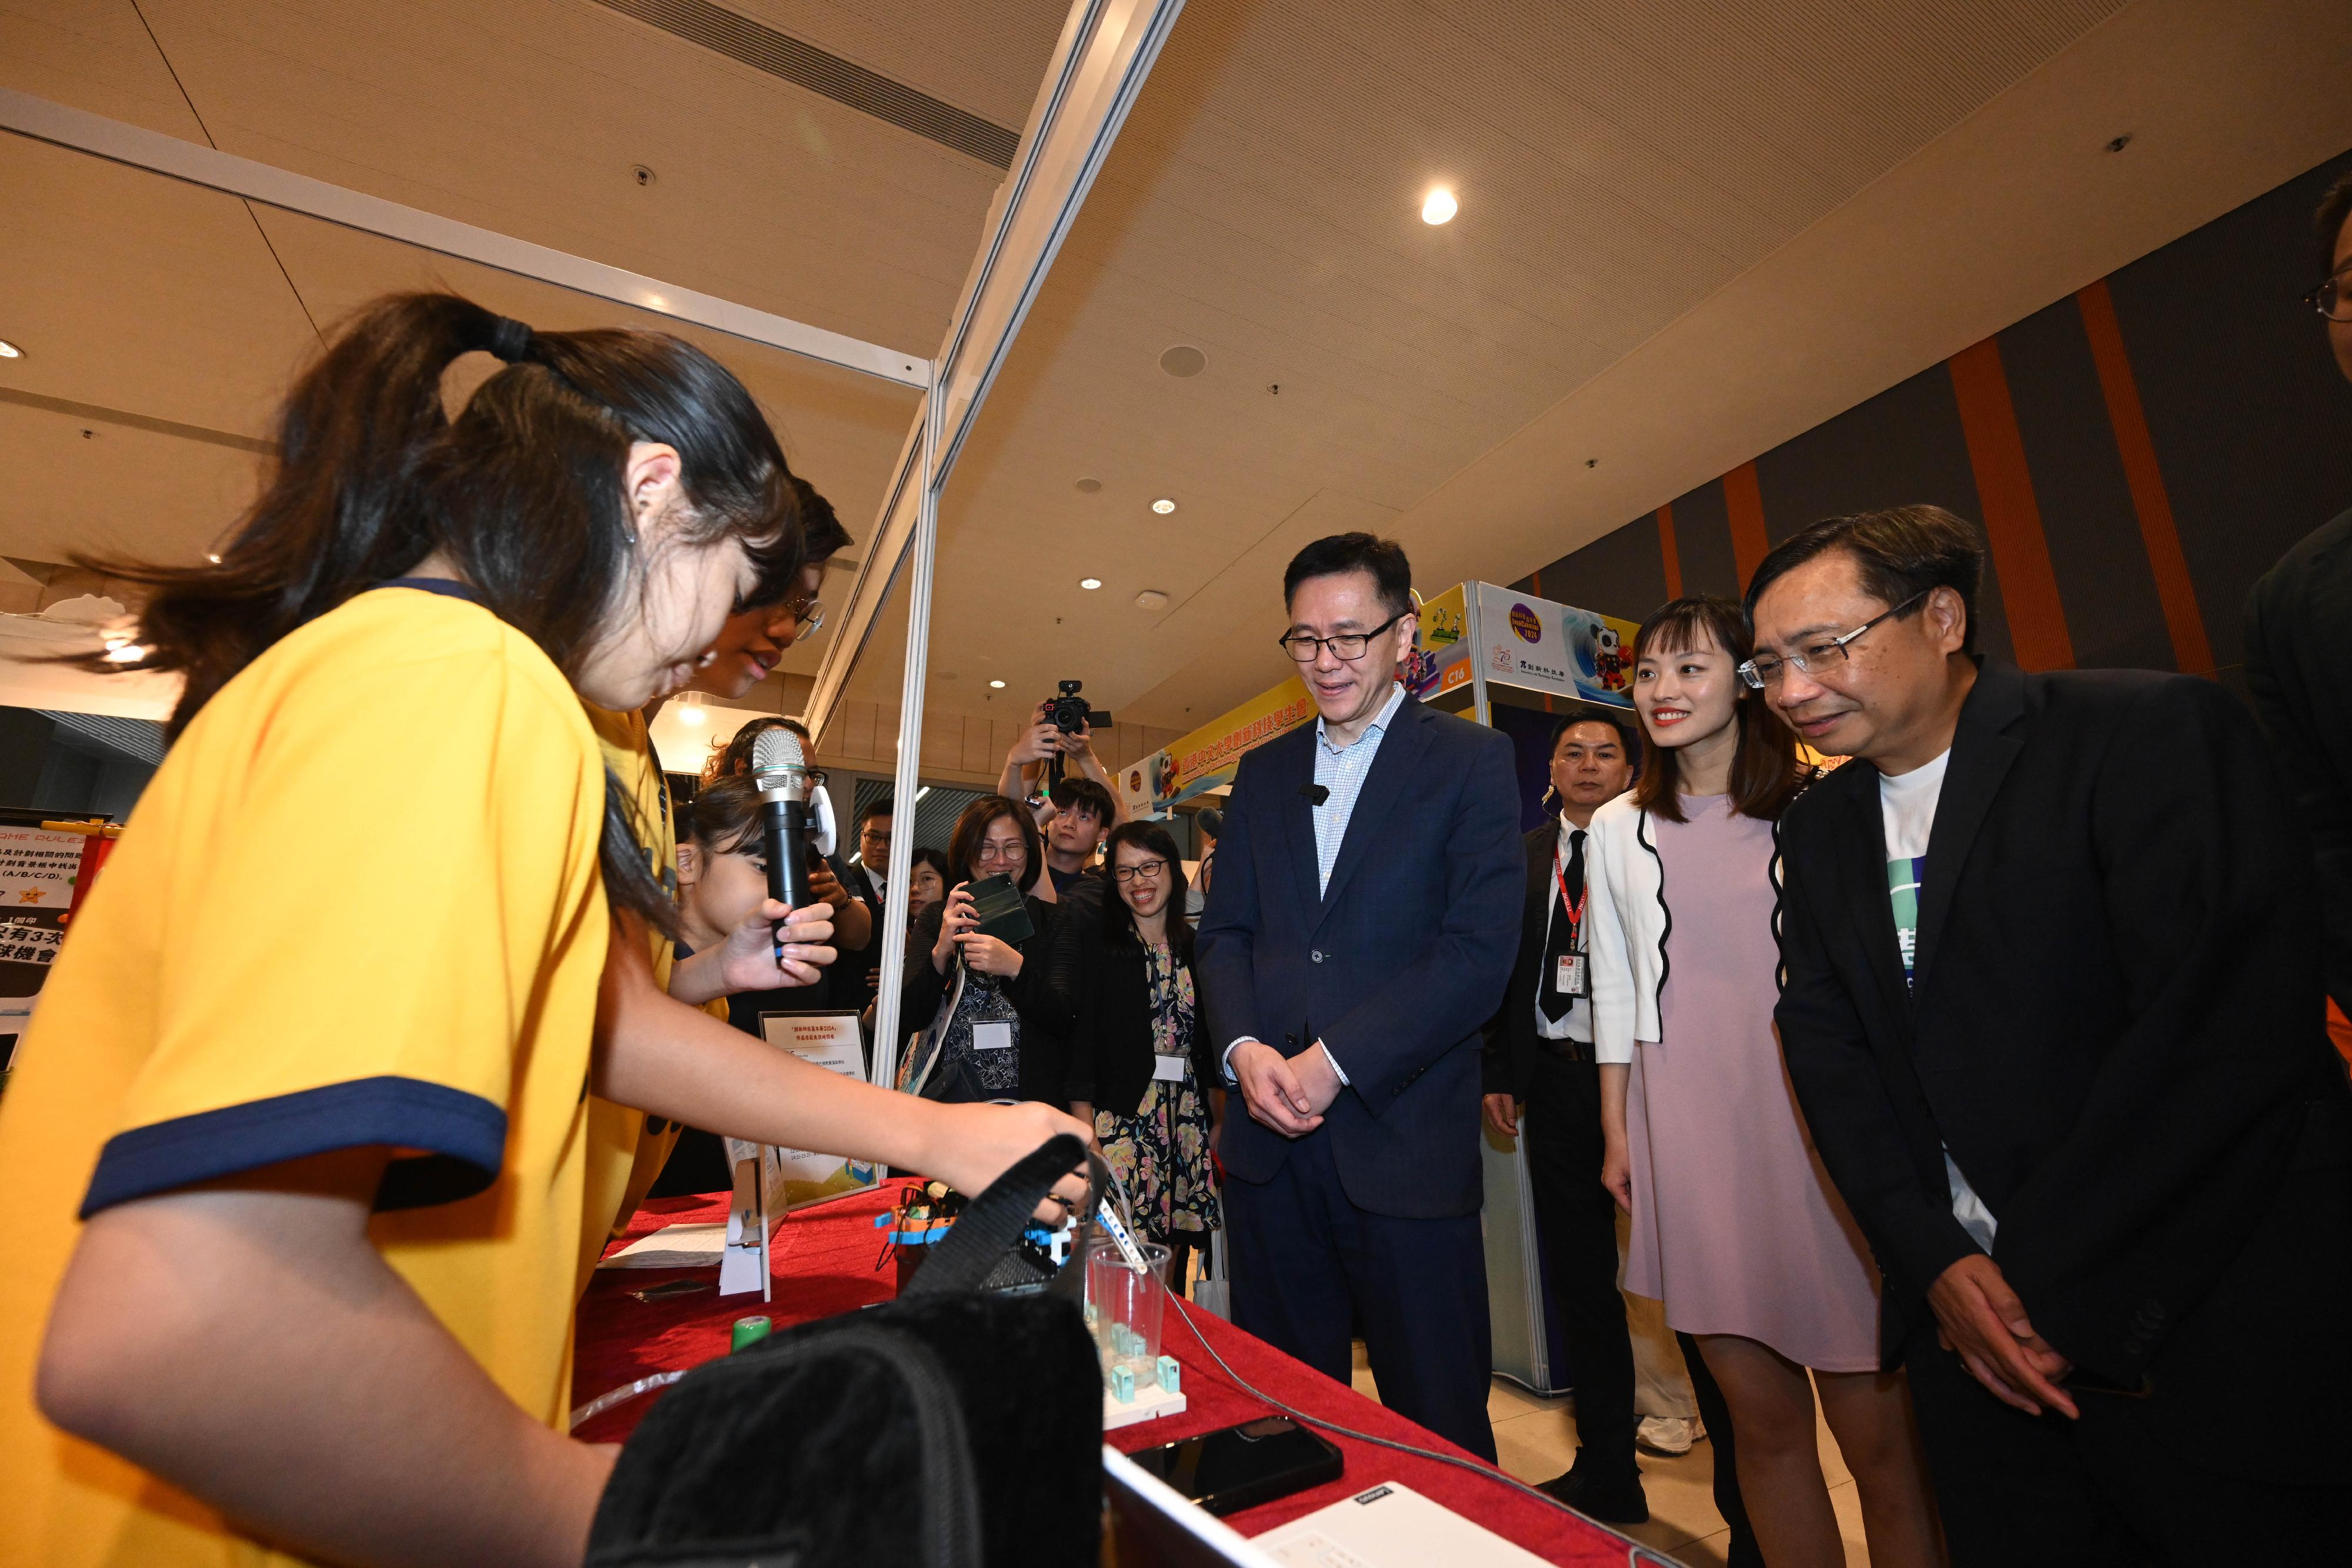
1360, 929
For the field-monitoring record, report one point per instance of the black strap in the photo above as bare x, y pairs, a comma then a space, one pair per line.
990, 1224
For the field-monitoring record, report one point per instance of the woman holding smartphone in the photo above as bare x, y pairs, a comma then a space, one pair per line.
1000, 1035
296, 1153
1737, 1229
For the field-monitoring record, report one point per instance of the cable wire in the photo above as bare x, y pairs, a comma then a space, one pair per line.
1476, 1466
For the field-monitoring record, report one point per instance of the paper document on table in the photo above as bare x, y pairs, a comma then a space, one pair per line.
1391, 1526
672, 1247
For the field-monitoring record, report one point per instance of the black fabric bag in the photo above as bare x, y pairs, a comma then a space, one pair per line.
950, 1428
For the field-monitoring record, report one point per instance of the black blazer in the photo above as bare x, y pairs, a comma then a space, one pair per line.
1394, 969
2299, 671
1044, 1016
2115, 1027
1510, 1049
1107, 984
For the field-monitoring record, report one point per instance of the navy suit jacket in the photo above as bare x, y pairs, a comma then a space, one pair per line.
1394, 967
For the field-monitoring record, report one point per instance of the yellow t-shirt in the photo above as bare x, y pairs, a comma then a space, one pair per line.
625, 1158
358, 905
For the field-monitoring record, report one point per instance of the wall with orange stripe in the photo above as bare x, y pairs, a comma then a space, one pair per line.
2137, 454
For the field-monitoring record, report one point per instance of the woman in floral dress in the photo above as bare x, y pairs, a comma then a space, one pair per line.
1140, 1068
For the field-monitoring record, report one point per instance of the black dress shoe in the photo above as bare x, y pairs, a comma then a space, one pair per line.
1615, 1501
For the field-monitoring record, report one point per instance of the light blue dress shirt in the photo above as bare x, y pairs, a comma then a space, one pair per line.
1342, 770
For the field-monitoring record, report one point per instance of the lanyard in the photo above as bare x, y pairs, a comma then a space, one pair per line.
1575, 906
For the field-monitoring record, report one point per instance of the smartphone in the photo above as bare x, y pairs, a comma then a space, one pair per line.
1240, 1467
1002, 913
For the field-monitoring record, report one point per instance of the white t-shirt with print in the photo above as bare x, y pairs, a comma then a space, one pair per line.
1907, 805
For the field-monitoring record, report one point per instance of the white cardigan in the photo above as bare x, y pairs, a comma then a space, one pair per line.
1628, 921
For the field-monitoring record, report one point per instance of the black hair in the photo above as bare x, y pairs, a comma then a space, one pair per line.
1118, 920
734, 756
971, 827
882, 807
1629, 741
1901, 552
723, 817
1764, 777
820, 529
1336, 553
2328, 224
523, 493
1077, 792
935, 859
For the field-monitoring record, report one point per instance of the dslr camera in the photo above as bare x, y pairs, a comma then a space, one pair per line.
1069, 713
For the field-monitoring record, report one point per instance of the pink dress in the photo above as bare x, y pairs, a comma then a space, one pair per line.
1736, 1226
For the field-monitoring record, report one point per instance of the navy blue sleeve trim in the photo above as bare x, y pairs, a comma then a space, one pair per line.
463, 1136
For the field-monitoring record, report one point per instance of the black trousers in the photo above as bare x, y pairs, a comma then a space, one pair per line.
1307, 1262
1577, 1219
2019, 1491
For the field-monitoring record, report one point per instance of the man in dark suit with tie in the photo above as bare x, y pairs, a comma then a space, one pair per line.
2053, 1008
1361, 928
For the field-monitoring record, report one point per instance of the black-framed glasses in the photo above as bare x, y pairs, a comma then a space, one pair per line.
2330, 297
1147, 870
1347, 646
1768, 669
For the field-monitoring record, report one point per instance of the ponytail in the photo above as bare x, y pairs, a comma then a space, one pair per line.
523, 493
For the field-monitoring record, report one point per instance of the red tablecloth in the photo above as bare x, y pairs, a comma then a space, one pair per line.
825, 1264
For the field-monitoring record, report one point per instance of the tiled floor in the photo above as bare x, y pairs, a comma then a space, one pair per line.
1535, 1440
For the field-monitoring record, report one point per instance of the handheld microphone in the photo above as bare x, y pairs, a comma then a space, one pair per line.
1315, 794
780, 768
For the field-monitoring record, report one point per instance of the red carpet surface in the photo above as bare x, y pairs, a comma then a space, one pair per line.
824, 1260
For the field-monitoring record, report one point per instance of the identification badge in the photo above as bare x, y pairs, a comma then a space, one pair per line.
1569, 980
1168, 1069
992, 1037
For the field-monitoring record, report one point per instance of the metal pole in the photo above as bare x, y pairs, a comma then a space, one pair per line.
888, 1028
39, 120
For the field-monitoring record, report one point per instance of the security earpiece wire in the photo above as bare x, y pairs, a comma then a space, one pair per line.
1476, 1466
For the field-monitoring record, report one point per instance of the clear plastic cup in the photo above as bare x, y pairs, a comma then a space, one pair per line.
1124, 1307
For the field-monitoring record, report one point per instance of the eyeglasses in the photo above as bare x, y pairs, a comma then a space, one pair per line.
1147, 870
1001, 854
809, 615
1768, 669
874, 835
1347, 646
2329, 300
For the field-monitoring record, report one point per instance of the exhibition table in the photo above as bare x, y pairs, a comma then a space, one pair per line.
824, 1263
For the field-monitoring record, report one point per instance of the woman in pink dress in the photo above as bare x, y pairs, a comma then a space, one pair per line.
1737, 1229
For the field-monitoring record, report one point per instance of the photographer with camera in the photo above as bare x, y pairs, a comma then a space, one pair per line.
1060, 733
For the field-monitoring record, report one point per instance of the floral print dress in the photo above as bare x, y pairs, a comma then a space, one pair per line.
1161, 1154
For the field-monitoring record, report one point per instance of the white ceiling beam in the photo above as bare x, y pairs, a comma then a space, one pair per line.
42, 120
1098, 68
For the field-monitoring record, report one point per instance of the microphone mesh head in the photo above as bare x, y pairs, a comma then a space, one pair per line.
777, 750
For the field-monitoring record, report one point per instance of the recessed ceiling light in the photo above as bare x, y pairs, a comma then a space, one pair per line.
1184, 360
1091, 583
1089, 487
996, 685
1163, 505
213, 558
9, 350
1439, 206
1151, 599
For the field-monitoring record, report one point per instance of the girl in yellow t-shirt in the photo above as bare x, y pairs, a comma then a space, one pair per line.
294, 1151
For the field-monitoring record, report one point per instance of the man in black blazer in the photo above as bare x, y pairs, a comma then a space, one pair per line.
1361, 927
2053, 1008
2299, 646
